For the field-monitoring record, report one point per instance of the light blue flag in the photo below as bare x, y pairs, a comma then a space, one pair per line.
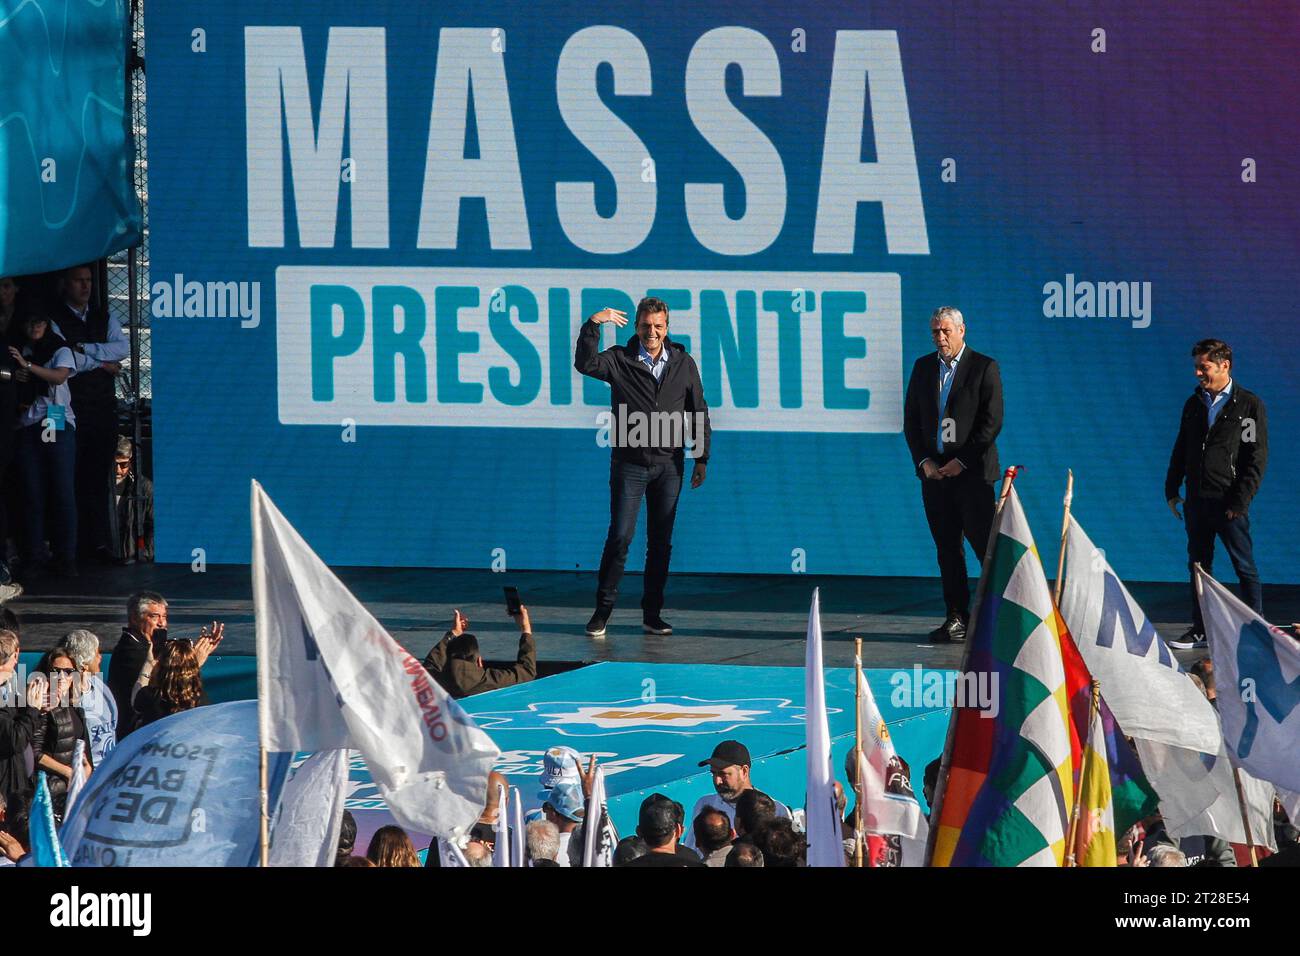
179, 792
42, 830
65, 158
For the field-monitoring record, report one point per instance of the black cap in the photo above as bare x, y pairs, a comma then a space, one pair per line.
659, 816
730, 752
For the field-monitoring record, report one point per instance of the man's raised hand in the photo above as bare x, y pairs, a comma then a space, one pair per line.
458, 623
610, 315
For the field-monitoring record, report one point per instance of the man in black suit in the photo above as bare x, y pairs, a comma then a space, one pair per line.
1220, 453
952, 414
99, 345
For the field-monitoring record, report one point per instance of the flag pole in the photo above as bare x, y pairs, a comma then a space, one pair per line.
1065, 530
1245, 815
945, 766
858, 833
1093, 709
259, 597
1236, 773
264, 829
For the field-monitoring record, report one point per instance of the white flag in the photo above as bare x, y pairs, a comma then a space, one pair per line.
329, 676
1291, 804
1198, 796
516, 825
597, 838
449, 854
501, 846
888, 805
1257, 676
307, 825
77, 782
1148, 692
825, 847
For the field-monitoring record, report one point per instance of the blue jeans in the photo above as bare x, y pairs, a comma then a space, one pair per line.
628, 483
1206, 518
47, 473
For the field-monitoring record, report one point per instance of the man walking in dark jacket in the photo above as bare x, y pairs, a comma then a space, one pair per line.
657, 409
951, 416
456, 665
1220, 452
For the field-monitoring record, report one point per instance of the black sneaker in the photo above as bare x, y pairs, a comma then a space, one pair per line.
951, 631
1191, 640
596, 626
654, 624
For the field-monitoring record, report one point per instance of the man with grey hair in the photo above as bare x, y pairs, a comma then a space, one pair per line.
543, 841
146, 622
1164, 855
98, 704
478, 854
951, 416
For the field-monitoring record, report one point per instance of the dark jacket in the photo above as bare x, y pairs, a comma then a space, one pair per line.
124, 666
18, 725
56, 736
681, 857
134, 500
462, 678
974, 405
635, 389
1220, 462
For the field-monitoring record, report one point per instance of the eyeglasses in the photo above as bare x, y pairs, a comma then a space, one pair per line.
65, 670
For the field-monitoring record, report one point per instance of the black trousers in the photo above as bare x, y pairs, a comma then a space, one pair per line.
96, 448
1206, 519
660, 485
956, 508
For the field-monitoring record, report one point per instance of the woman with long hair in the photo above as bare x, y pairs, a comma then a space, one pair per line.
60, 727
47, 444
172, 684
390, 846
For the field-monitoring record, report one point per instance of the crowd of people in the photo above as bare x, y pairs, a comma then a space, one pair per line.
66, 700
737, 825
65, 472
68, 711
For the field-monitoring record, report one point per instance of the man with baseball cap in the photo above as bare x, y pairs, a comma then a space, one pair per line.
661, 824
729, 764
565, 806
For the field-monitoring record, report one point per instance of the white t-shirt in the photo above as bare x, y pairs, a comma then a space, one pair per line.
562, 857
714, 800
36, 412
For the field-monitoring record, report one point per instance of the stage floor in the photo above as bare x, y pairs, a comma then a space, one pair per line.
717, 619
